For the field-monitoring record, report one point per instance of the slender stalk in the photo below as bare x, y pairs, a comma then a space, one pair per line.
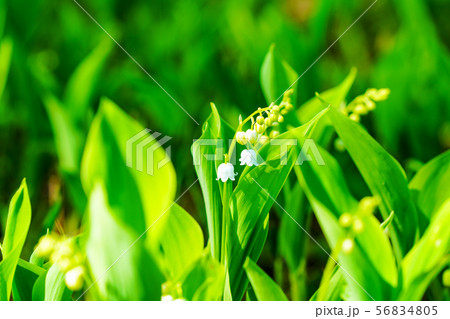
329, 271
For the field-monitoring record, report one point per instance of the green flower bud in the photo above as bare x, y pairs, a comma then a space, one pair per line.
368, 204
46, 246
284, 112
345, 220
268, 122
360, 109
446, 278
348, 245
280, 119
339, 145
369, 104
260, 119
354, 117
260, 128
74, 278
358, 226
276, 108
273, 117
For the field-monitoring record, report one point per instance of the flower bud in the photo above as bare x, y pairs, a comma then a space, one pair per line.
289, 106
358, 226
369, 104
260, 119
354, 117
368, 204
74, 278
240, 138
260, 128
268, 122
446, 278
339, 145
273, 117
280, 119
46, 246
276, 108
348, 245
284, 112
360, 109
345, 220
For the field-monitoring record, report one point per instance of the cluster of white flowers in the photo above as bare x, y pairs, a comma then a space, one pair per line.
266, 118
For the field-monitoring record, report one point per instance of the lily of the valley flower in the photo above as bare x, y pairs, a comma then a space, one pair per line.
248, 157
251, 136
225, 172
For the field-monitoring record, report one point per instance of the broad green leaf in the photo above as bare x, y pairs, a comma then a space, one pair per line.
181, 241
264, 287
117, 257
208, 153
330, 197
24, 279
384, 176
204, 281
17, 225
428, 257
335, 96
276, 77
138, 198
82, 83
429, 187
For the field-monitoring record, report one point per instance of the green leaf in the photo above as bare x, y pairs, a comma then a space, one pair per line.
119, 262
428, 257
264, 287
251, 200
138, 199
204, 281
429, 187
277, 77
24, 279
17, 225
212, 143
83, 82
330, 197
181, 241
334, 96
384, 176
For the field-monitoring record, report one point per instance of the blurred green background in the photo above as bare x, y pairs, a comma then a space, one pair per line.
56, 64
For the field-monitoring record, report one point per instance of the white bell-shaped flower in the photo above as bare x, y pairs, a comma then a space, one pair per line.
248, 157
225, 172
251, 136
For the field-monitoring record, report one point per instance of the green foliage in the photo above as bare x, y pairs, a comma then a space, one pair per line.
356, 217
17, 224
264, 287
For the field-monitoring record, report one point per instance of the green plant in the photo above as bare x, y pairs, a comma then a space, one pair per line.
137, 243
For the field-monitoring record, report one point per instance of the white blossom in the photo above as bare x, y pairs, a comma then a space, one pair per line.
251, 136
248, 157
225, 172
